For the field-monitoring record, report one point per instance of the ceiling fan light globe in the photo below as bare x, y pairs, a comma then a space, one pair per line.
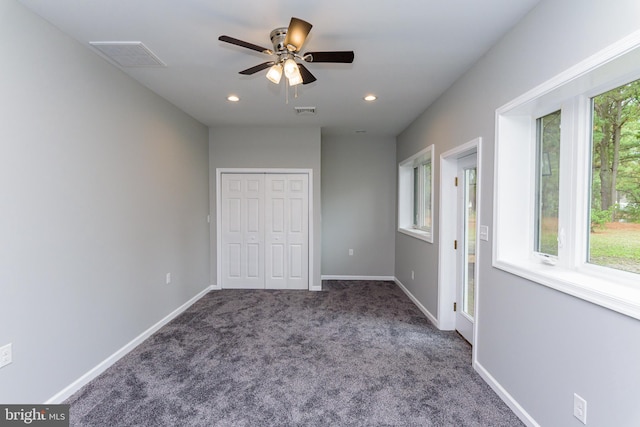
295, 79
275, 73
290, 68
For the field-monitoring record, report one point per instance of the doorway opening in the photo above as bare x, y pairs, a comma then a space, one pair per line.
460, 212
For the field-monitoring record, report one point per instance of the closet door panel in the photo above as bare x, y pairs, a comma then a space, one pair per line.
286, 231
275, 238
242, 225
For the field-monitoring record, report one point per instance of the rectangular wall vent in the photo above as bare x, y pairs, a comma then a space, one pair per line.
305, 111
128, 54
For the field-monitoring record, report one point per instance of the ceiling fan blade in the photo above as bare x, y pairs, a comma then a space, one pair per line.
245, 44
296, 34
257, 68
307, 77
345, 56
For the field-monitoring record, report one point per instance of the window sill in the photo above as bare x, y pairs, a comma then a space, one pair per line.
622, 296
418, 234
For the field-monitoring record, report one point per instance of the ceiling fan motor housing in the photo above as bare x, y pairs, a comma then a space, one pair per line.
277, 38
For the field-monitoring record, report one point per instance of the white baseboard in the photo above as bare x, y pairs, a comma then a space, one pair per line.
105, 364
332, 277
422, 308
215, 287
505, 396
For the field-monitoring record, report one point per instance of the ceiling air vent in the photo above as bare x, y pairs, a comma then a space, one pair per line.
128, 54
305, 111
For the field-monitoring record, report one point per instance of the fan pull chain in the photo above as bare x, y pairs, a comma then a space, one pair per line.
286, 89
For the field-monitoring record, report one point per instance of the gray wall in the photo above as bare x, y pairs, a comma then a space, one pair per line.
265, 147
413, 254
104, 190
539, 344
358, 205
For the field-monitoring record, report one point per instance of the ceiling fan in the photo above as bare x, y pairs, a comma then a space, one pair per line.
287, 42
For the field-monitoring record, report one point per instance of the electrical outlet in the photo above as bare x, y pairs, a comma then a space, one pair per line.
350, 252
413, 275
168, 278
580, 408
5, 355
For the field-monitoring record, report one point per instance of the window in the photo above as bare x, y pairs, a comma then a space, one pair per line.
614, 238
567, 181
415, 195
422, 196
547, 183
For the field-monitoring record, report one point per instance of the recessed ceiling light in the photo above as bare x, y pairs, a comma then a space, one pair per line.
370, 98
233, 98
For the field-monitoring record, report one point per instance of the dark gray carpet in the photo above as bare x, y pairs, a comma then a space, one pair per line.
356, 354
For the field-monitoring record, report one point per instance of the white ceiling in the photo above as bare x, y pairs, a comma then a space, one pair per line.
407, 52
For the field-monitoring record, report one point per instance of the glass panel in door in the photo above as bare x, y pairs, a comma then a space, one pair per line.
469, 244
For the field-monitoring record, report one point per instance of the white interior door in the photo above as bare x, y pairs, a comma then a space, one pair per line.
466, 246
287, 231
242, 231
264, 231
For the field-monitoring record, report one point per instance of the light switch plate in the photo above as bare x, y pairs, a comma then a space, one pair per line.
484, 233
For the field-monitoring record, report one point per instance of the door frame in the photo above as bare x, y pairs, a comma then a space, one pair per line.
447, 263
219, 172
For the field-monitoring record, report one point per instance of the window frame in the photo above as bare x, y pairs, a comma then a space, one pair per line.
408, 221
514, 173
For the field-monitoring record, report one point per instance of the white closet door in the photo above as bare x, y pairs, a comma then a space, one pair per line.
287, 231
242, 231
